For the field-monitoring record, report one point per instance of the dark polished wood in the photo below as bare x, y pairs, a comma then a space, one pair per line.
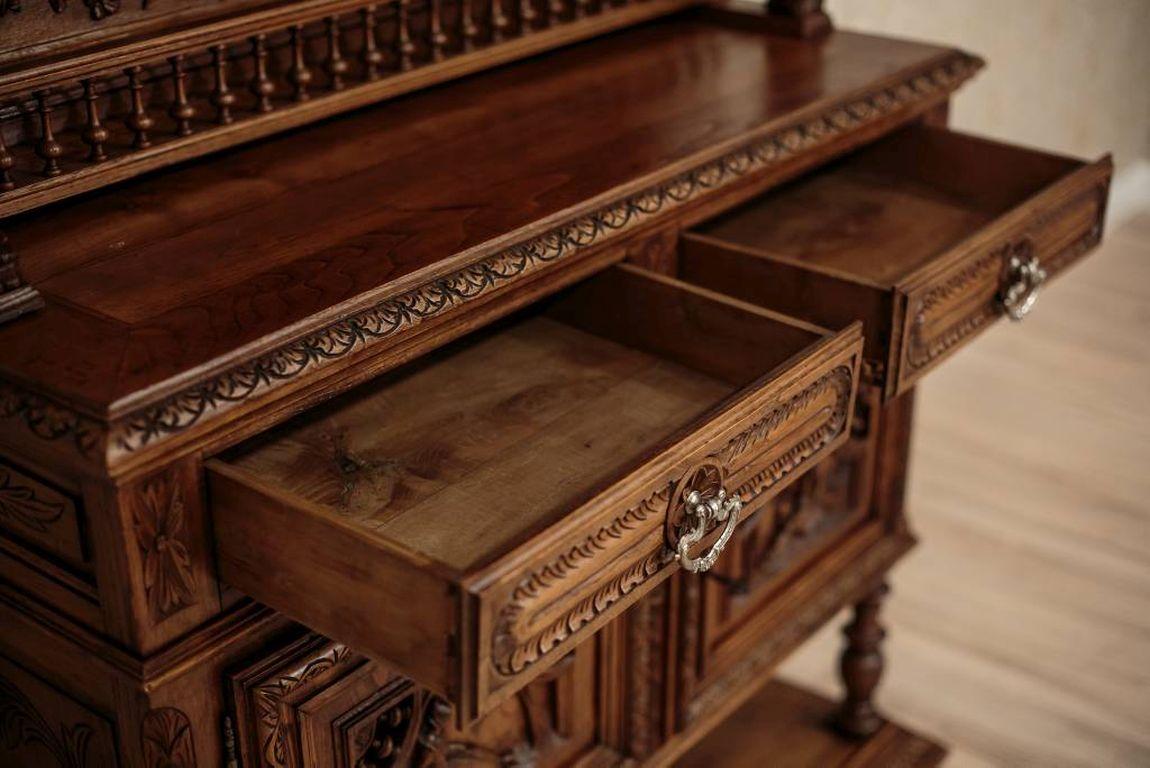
470, 388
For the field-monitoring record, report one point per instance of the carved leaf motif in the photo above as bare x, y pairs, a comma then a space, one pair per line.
20, 502
166, 738
162, 534
22, 725
100, 9
269, 695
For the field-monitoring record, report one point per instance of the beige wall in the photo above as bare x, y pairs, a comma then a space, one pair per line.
1070, 76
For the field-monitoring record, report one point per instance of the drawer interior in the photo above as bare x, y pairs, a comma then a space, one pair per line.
880, 214
504, 431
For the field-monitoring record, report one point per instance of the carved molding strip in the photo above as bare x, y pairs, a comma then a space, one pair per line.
50, 421
406, 311
511, 654
838, 383
166, 739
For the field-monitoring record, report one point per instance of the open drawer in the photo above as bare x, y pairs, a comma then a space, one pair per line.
926, 236
472, 516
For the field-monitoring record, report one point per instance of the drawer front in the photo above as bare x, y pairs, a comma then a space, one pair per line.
313, 703
952, 302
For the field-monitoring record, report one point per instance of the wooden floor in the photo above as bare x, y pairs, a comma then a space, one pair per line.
1019, 630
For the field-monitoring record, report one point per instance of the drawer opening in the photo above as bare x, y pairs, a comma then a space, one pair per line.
472, 515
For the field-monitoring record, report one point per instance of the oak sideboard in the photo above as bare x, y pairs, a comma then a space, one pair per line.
476, 382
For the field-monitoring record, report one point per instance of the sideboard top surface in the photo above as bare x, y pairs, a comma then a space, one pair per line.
160, 284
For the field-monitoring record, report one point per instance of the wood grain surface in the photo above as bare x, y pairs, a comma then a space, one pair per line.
1019, 628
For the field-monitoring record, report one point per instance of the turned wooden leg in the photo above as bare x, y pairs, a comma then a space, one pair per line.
861, 667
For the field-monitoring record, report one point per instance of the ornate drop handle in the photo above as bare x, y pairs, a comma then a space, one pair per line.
719, 509
1026, 275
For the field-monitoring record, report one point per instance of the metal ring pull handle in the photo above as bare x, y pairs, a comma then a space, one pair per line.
1026, 275
702, 511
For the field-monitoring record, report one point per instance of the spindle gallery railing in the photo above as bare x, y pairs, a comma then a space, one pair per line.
72, 127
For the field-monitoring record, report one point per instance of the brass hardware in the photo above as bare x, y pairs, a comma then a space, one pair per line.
702, 512
1026, 276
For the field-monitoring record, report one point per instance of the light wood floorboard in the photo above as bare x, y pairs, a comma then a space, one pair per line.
1019, 629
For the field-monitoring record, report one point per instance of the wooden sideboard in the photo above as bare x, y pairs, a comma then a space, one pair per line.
475, 382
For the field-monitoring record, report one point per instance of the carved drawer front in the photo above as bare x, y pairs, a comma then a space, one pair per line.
927, 236
472, 517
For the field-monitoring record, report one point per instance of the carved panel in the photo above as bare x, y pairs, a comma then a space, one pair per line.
41, 727
34, 511
166, 739
160, 523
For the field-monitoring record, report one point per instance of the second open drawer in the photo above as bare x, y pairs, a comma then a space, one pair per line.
927, 236
472, 516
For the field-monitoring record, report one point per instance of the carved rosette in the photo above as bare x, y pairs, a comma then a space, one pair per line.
160, 521
166, 739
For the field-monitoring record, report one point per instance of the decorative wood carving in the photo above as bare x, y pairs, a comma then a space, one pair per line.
29, 504
159, 519
270, 695
438, 45
16, 297
22, 725
42, 418
166, 739
646, 680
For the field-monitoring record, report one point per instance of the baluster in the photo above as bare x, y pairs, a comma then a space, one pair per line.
581, 8
372, 57
557, 8
337, 65
181, 111
469, 31
7, 162
527, 16
222, 97
94, 133
404, 42
499, 21
261, 86
438, 38
139, 122
47, 148
298, 74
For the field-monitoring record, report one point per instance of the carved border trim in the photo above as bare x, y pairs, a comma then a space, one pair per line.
410, 309
516, 644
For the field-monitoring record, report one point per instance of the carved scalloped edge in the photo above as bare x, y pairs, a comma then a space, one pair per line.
840, 380
512, 653
409, 309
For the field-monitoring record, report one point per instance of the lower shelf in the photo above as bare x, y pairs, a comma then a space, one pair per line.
784, 726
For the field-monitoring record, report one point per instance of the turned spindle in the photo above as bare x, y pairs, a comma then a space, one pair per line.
298, 73
181, 110
138, 121
469, 30
336, 65
371, 55
861, 667
47, 147
94, 134
222, 97
438, 38
500, 24
527, 15
261, 85
403, 41
556, 8
7, 163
